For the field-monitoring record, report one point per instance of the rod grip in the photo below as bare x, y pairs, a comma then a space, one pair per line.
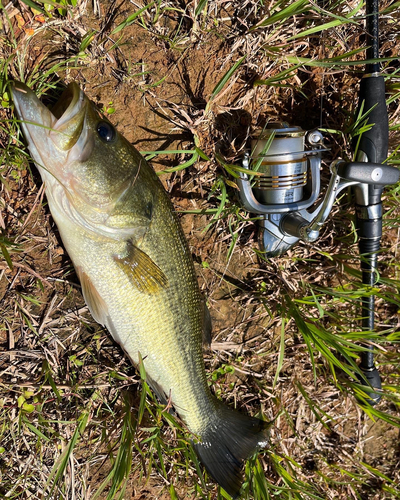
374, 142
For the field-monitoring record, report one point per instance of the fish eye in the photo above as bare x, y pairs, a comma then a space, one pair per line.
106, 131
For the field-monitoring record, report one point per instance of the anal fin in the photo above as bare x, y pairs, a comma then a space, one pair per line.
160, 393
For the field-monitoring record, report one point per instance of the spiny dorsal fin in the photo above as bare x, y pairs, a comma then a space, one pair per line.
142, 271
207, 325
96, 304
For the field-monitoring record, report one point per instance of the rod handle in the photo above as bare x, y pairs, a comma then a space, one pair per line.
374, 143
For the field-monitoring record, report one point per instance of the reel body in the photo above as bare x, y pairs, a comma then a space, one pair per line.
284, 183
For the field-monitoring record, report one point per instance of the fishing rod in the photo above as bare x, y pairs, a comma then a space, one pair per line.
371, 147
286, 185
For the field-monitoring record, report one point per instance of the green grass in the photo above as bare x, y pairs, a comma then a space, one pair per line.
75, 419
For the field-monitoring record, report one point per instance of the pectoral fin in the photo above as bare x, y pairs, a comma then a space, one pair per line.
142, 271
96, 304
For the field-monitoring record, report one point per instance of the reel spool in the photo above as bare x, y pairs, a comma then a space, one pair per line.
287, 184
284, 168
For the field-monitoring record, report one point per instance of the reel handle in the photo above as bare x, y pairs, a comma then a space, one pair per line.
344, 174
368, 173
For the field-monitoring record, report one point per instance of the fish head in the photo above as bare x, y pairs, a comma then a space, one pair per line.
86, 164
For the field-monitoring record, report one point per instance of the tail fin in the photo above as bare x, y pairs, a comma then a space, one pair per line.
229, 439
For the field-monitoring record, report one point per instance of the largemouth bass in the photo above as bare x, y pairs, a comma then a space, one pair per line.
130, 254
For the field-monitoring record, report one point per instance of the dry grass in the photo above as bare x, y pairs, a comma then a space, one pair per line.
65, 387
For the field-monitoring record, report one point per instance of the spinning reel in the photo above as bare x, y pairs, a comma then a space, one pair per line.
288, 184
283, 184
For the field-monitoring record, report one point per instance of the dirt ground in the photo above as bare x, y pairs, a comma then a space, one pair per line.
157, 81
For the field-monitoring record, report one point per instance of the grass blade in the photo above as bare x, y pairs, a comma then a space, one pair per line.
131, 19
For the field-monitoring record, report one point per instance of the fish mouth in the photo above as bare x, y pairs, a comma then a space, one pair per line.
50, 132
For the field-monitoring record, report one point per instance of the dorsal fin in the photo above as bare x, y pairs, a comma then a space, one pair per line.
207, 325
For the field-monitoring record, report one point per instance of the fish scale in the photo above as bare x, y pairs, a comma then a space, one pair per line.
136, 271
